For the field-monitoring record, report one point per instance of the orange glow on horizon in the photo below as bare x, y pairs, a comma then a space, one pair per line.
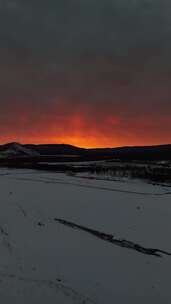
82, 142
79, 141
83, 129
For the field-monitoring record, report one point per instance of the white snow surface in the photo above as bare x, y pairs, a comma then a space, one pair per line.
53, 263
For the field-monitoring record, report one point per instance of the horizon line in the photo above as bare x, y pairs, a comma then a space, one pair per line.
87, 148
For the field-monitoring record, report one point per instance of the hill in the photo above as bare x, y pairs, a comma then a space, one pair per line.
64, 151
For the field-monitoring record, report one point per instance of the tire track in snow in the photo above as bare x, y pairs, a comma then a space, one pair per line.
46, 181
58, 285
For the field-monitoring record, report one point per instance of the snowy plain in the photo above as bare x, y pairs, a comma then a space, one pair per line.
44, 261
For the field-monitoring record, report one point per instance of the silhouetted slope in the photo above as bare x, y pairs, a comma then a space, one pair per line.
161, 152
56, 149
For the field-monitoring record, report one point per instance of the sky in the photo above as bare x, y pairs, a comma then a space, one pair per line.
92, 73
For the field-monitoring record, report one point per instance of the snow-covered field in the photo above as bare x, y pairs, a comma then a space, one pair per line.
45, 260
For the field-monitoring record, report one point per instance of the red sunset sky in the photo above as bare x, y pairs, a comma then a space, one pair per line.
87, 73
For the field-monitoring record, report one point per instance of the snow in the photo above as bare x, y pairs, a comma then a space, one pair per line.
16, 149
42, 261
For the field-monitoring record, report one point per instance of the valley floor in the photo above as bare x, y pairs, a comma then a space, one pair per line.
74, 240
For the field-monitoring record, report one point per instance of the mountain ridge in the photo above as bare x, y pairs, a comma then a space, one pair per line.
14, 149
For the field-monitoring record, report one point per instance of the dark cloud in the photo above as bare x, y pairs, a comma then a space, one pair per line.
111, 24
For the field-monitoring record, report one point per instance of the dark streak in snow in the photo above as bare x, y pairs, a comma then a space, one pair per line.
111, 239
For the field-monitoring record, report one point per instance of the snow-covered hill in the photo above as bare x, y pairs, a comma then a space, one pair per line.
16, 149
